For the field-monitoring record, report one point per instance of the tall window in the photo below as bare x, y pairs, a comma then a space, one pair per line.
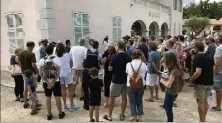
174, 29
116, 29
15, 31
81, 26
180, 5
175, 4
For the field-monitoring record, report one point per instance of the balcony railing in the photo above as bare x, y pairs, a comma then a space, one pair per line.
153, 5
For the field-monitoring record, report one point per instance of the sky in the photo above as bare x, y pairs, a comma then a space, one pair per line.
197, 1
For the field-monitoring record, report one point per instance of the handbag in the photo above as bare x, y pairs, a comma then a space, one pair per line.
15, 70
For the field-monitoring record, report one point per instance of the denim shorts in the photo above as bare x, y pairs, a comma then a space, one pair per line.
67, 79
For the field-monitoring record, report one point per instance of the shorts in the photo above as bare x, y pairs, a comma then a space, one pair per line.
56, 90
152, 79
35, 77
217, 82
95, 100
67, 79
202, 92
77, 73
118, 89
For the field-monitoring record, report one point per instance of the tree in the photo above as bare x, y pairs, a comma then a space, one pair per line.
197, 25
203, 9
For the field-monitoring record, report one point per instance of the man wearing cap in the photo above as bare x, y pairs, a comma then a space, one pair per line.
210, 42
42, 52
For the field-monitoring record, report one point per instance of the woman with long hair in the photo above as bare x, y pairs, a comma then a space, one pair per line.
107, 74
66, 75
171, 83
19, 82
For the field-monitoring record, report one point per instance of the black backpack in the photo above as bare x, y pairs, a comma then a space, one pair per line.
91, 59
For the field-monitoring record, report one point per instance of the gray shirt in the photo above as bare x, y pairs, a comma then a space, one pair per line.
42, 52
218, 53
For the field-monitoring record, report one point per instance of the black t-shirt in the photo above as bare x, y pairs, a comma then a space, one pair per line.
143, 47
95, 86
206, 63
118, 62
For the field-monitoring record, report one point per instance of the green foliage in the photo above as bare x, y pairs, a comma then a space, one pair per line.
203, 9
196, 25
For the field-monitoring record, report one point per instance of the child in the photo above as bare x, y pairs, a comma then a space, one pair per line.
32, 91
172, 84
95, 86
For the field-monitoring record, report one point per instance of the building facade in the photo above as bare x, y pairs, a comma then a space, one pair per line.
32, 20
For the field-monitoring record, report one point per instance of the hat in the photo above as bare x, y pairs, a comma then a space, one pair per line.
44, 40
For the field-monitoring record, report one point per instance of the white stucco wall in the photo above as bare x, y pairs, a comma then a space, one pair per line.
101, 13
28, 10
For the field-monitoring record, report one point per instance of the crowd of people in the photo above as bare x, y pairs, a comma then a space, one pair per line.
130, 67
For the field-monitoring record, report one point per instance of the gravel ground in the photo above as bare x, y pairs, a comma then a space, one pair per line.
186, 111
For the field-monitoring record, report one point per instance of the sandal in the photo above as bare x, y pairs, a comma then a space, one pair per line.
122, 118
149, 100
157, 98
34, 113
107, 118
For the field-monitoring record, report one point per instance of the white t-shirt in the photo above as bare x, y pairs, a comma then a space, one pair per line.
135, 63
65, 64
78, 54
37, 54
55, 60
105, 45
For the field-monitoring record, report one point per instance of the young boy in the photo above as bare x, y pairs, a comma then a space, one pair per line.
95, 86
32, 91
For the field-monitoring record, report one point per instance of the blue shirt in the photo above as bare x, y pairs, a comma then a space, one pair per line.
155, 58
218, 53
129, 52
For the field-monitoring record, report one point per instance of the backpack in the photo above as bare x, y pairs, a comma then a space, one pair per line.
136, 81
49, 70
91, 59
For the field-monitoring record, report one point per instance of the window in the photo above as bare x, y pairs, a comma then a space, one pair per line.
174, 29
15, 31
175, 4
180, 5
116, 29
81, 26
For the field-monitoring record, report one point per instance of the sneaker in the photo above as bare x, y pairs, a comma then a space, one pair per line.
215, 109
175, 105
17, 99
62, 115
65, 108
26, 105
93, 120
162, 106
49, 117
74, 108
21, 99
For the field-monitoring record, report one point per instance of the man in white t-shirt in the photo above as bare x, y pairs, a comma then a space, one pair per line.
78, 54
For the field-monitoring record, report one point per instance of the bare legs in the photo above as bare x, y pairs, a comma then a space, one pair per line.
92, 108
49, 107
151, 89
218, 98
70, 88
202, 109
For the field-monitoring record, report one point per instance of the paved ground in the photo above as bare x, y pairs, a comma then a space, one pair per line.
186, 111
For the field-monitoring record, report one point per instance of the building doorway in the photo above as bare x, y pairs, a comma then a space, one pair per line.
138, 28
154, 29
164, 30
